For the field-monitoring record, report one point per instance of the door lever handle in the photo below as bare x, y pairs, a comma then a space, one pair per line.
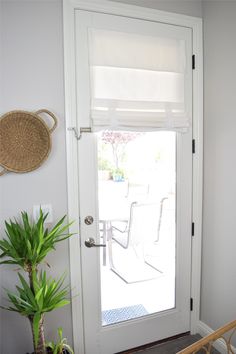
90, 242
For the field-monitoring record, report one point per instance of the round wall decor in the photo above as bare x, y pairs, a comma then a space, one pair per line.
25, 140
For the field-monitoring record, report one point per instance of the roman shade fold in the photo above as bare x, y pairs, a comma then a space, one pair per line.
138, 82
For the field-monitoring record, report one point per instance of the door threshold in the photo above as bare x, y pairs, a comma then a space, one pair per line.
149, 345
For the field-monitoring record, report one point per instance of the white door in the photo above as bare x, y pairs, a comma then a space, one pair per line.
136, 287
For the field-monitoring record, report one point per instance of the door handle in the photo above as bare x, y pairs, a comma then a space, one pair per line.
90, 242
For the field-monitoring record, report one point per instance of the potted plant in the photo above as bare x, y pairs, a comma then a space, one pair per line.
118, 175
26, 245
104, 169
61, 347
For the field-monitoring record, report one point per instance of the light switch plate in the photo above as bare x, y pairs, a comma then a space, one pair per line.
46, 209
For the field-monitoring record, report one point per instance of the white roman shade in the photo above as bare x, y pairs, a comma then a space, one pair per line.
138, 82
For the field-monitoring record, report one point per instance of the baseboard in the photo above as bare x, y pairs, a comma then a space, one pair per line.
205, 330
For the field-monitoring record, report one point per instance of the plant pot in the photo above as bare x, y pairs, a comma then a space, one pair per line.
118, 177
104, 175
49, 351
65, 351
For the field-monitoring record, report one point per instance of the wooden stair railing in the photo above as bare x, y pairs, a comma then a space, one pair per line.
206, 344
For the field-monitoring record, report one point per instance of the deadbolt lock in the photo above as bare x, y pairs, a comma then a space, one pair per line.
88, 220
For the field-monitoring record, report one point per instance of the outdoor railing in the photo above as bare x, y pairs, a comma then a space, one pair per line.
206, 344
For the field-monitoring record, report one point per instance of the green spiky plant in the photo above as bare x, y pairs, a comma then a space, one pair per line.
57, 348
26, 245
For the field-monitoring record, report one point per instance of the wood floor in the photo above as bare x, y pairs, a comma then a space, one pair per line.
172, 346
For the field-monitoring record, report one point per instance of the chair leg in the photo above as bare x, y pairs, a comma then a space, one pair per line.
160, 218
104, 260
109, 245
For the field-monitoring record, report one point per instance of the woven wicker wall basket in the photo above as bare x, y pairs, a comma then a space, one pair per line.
25, 140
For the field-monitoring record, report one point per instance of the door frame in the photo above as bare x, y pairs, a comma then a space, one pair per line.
72, 136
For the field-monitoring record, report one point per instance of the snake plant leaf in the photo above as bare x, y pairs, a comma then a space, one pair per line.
57, 348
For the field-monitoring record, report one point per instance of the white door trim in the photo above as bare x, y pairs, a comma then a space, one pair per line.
69, 7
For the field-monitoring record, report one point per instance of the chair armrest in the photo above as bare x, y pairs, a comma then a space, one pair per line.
126, 223
207, 342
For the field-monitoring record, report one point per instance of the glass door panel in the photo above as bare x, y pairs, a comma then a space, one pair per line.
137, 223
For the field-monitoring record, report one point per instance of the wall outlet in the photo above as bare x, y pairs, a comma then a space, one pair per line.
46, 208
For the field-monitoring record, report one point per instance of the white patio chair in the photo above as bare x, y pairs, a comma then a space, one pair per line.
122, 229
141, 231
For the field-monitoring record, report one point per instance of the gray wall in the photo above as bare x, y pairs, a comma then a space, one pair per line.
186, 7
219, 221
32, 68
32, 78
